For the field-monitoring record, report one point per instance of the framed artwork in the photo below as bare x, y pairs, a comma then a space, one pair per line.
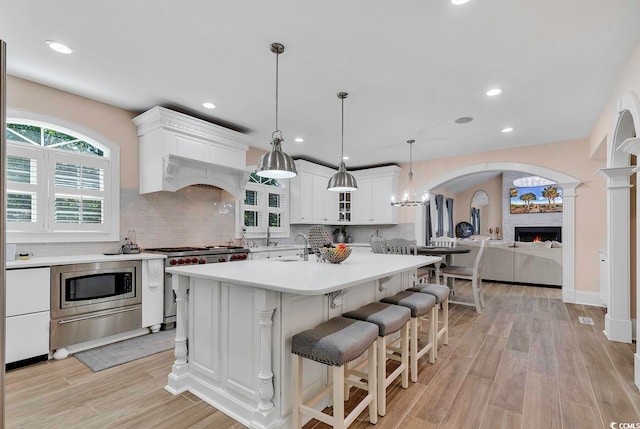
536, 199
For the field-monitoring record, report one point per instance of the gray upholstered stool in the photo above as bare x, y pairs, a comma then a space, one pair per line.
421, 305
441, 293
335, 342
390, 319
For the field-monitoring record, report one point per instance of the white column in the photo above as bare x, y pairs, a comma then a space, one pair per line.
568, 240
617, 324
180, 369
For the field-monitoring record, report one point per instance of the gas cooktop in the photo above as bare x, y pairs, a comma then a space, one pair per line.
216, 248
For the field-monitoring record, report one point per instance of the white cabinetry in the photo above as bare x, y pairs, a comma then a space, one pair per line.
152, 293
272, 254
312, 203
27, 313
371, 201
177, 150
310, 200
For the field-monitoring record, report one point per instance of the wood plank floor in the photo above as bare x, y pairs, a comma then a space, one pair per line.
525, 362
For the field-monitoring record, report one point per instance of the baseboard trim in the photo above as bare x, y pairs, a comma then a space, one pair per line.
588, 298
617, 330
636, 367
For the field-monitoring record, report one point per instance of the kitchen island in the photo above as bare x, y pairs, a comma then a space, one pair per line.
235, 322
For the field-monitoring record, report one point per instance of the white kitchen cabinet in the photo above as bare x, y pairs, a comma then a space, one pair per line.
27, 313
275, 253
310, 201
152, 293
371, 201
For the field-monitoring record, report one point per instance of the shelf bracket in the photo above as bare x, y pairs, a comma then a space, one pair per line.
335, 298
382, 281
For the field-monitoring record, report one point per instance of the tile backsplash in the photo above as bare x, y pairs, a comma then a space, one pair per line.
190, 216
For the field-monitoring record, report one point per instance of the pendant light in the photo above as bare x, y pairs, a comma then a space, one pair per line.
342, 181
410, 193
276, 164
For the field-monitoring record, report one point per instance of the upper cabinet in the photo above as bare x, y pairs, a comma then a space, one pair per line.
312, 203
371, 202
177, 150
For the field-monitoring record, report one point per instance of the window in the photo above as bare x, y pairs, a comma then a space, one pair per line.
61, 185
265, 205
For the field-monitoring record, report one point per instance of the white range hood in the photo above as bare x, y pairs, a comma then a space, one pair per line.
177, 150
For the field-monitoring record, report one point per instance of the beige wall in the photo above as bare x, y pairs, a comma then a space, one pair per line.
109, 121
492, 213
629, 80
570, 157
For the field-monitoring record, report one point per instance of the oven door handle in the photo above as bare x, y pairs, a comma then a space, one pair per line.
100, 314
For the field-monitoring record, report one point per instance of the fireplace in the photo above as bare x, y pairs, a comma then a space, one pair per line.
538, 233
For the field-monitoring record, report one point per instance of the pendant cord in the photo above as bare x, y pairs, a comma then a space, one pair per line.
277, 55
342, 147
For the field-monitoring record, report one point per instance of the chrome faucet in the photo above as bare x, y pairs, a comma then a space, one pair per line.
305, 251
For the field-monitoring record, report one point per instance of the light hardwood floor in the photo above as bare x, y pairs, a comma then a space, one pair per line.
525, 362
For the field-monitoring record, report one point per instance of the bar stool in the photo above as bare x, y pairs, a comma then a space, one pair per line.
390, 319
441, 293
335, 343
420, 305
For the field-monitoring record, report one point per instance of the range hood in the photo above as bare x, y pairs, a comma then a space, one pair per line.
177, 150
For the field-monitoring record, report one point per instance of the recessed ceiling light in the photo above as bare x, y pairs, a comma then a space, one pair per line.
59, 47
459, 2
298, 140
463, 120
345, 158
494, 91
507, 130
209, 105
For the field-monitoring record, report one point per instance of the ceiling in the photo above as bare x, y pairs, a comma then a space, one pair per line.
410, 68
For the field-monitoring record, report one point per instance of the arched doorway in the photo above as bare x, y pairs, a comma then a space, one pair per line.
620, 147
624, 143
568, 185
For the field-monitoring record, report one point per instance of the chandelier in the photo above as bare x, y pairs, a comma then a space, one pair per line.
409, 198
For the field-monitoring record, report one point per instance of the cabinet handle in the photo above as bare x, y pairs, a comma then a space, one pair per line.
96, 315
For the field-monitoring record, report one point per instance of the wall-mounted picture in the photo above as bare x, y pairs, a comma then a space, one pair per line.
536, 199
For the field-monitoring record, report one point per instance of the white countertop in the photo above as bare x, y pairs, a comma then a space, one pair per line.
306, 277
47, 261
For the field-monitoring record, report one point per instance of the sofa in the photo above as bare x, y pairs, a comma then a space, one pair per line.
516, 262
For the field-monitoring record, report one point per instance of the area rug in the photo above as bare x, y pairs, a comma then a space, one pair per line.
125, 351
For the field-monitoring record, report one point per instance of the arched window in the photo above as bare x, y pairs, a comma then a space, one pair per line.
62, 185
265, 206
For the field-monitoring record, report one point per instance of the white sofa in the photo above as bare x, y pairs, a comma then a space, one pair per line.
517, 262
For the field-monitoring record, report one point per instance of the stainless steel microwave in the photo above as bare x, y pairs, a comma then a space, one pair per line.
84, 288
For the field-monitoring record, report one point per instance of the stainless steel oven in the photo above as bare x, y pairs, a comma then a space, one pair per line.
95, 300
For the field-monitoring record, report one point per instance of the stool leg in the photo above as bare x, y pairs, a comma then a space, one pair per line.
347, 388
445, 317
297, 391
382, 375
404, 344
338, 397
372, 384
413, 349
435, 339
433, 334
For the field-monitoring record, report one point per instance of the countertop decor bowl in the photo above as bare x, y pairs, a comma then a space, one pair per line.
334, 255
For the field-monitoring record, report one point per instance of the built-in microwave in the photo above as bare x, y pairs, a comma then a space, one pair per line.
94, 300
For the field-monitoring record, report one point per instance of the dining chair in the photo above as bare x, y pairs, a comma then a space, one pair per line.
443, 241
401, 246
431, 271
474, 274
378, 245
